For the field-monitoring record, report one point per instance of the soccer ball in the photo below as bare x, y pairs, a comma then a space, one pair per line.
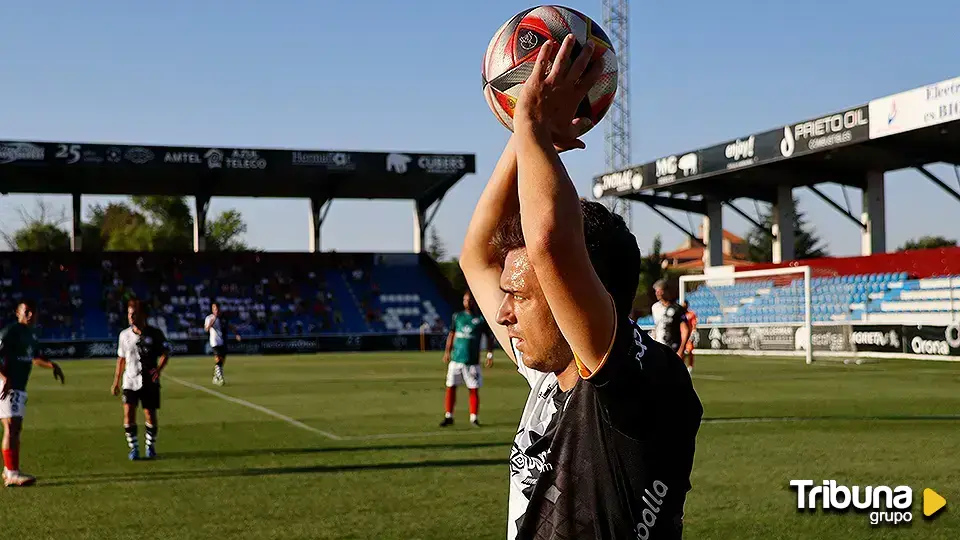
513, 50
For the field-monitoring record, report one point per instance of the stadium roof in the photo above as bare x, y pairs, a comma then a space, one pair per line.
124, 169
910, 129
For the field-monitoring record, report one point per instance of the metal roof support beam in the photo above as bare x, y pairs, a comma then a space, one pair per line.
202, 202
938, 182
686, 205
874, 237
674, 223
422, 220
76, 237
836, 206
319, 208
744, 215
713, 233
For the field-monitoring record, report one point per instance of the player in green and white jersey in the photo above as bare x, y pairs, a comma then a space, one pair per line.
462, 355
19, 352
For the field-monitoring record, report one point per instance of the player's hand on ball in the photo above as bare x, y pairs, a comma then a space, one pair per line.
551, 94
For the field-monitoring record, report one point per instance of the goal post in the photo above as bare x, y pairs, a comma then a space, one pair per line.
753, 298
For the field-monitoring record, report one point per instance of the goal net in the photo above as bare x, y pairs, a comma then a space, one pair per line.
754, 310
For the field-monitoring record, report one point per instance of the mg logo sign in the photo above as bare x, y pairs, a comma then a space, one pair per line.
666, 166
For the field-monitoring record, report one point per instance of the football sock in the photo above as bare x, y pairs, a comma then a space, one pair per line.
131, 432
474, 403
450, 400
151, 434
11, 460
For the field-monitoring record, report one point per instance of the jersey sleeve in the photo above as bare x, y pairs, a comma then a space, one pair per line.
644, 387
121, 350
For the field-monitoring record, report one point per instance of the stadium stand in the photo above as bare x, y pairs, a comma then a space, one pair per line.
83, 296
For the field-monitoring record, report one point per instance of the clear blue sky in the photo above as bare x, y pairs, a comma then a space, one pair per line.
385, 75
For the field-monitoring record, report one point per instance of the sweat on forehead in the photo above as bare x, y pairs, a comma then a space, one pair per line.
517, 270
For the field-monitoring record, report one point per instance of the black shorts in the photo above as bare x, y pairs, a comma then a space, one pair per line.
147, 397
220, 352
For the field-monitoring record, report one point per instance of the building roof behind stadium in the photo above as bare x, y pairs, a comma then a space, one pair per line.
123, 169
909, 129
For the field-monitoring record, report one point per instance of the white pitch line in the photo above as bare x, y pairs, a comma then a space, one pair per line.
424, 434
254, 406
709, 377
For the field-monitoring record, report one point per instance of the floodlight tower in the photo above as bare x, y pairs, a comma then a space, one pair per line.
616, 23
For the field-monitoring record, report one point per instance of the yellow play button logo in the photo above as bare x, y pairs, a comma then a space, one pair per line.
932, 502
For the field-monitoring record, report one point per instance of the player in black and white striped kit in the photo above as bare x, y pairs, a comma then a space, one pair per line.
216, 325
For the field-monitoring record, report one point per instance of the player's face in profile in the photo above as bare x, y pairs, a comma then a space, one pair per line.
216, 309
659, 293
25, 315
467, 302
527, 316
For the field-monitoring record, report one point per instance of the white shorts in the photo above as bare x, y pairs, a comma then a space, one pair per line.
14, 404
470, 375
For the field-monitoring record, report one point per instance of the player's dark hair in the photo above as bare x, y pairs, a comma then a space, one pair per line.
611, 246
214, 303
139, 306
28, 303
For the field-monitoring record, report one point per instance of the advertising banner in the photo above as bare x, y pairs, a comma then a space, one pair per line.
915, 109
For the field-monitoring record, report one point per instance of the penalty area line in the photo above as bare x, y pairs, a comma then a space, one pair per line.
254, 406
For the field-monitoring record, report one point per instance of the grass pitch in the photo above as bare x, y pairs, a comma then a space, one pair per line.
347, 446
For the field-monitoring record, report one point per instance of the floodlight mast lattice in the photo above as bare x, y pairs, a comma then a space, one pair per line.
616, 24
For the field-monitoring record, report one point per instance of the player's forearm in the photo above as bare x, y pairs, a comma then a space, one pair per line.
498, 200
684, 334
162, 363
449, 346
549, 204
121, 365
42, 362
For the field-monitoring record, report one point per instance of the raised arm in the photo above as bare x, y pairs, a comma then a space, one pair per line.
550, 212
479, 261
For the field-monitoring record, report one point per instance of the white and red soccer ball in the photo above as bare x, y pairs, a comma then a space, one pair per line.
513, 50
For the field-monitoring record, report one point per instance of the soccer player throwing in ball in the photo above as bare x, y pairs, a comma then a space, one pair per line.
141, 357
19, 352
606, 439
462, 357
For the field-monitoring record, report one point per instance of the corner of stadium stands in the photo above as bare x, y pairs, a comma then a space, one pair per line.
926, 295
83, 295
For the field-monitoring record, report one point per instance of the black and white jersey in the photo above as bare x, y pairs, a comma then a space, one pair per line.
142, 353
216, 329
612, 456
668, 325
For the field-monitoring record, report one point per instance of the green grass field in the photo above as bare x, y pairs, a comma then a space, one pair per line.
366, 459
